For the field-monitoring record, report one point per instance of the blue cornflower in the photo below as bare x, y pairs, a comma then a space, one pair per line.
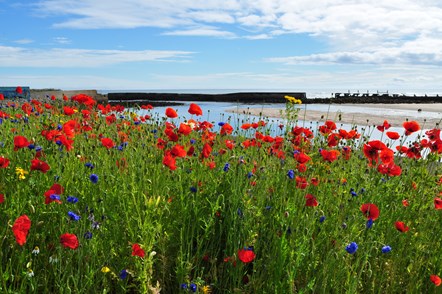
73, 216
1, 121
353, 193
72, 199
369, 224
54, 197
193, 189
59, 127
137, 122
123, 274
352, 247
221, 123
226, 167
93, 178
183, 286
193, 287
192, 141
322, 219
58, 142
249, 175
38, 148
268, 207
240, 213
89, 165
88, 235
386, 249
291, 174
31, 146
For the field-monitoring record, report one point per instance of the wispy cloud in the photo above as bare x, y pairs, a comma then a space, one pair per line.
24, 41
82, 58
62, 40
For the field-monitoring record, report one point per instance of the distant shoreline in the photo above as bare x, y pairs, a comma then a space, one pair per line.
355, 117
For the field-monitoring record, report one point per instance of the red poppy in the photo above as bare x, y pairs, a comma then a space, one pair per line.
108, 143
390, 169
328, 127
195, 109
370, 211
4, 162
169, 161
171, 113
301, 157
20, 142
433, 134
226, 129
401, 227
314, 181
437, 203
330, 156
386, 155
385, 126
21, 229
207, 150
2, 198
372, 148
178, 151
246, 255
68, 110
393, 135
405, 203
19, 90
346, 152
246, 126
69, 241
137, 251
301, 182
310, 200
436, 280
56, 189
2, 97
37, 164
411, 127
184, 129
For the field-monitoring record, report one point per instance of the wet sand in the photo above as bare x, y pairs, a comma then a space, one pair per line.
357, 118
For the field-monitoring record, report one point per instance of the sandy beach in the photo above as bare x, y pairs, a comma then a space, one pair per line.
359, 118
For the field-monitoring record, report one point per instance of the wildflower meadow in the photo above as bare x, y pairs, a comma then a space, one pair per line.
103, 199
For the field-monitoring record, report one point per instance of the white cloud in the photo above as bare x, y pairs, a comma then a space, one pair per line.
24, 41
81, 58
62, 40
355, 31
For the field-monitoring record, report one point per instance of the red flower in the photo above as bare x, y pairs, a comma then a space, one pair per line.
301, 182
37, 164
310, 200
2, 198
436, 280
2, 97
69, 241
68, 110
4, 162
401, 227
437, 203
405, 203
20, 142
184, 129
328, 127
195, 109
372, 148
330, 156
178, 151
411, 127
108, 143
226, 129
19, 90
137, 251
246, 255
169, 161
393, 135
390, 169
207, 150
385, 126
370, 211
301, 157
56, 189
170, 112
21, 228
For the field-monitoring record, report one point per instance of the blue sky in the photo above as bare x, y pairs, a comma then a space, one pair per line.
230, 44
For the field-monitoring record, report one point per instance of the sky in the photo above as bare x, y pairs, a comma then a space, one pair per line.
393, 45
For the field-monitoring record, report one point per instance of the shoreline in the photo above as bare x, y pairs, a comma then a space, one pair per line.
355, 117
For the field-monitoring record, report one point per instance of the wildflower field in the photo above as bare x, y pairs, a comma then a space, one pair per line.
101, 199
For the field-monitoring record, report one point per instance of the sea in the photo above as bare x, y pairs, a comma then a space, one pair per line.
216, 112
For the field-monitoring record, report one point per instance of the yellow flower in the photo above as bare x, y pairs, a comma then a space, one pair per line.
20, 173
105, 269
293, 100
206, 289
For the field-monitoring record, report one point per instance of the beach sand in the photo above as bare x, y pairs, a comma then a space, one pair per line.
357, 118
